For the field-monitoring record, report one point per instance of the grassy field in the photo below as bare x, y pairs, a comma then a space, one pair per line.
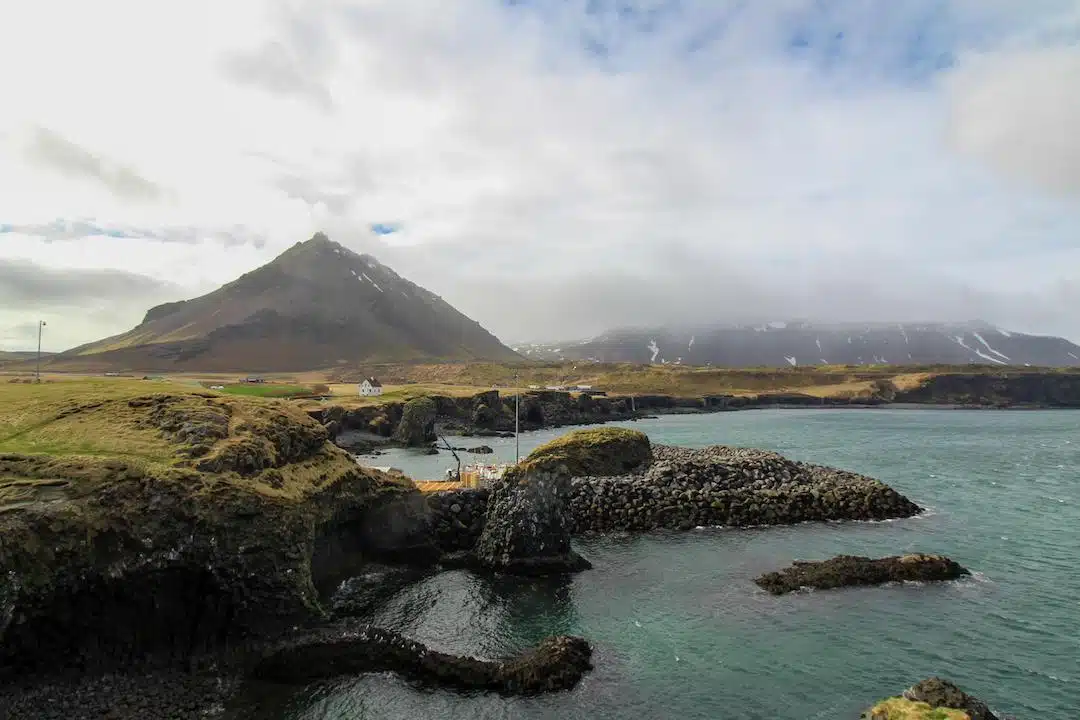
268, 390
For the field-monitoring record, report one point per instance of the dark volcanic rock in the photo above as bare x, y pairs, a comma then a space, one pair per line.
851, 570
417, 426
557, 663
527, 528
936, 693
480, 450
727, 486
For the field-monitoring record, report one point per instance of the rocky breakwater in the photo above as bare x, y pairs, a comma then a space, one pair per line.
852, 570
682, 488
457, 518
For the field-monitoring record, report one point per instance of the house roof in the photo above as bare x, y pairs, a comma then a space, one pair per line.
372, 381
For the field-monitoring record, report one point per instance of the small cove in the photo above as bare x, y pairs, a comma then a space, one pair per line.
681, 631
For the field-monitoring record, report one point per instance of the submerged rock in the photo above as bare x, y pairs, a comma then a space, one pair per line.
931, 699
852, 570
557, 663
527, 527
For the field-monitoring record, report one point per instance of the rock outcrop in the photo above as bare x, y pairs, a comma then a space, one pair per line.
216, 535
557, 663
527, 527
852, 570
417, 425
599, 451
725, 486
931, 699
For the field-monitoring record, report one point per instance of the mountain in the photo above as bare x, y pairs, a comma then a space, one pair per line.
317, 305
800, 343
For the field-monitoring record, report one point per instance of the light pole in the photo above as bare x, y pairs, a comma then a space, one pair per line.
41, 324
517, 421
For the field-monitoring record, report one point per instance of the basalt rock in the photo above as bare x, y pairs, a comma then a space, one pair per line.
851, 570
939, 693
527, 527
557, 663
725, 486
417, 426
931, 699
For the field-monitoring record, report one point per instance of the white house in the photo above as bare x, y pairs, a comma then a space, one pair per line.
370, 386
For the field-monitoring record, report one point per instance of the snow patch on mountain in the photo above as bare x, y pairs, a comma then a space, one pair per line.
987, 345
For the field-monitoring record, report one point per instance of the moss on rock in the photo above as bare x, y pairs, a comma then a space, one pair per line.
904, 709
203, 532
602, 451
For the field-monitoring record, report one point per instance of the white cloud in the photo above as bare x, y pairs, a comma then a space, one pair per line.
739, 178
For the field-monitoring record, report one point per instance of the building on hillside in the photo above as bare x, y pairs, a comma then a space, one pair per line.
255, 379
370, 386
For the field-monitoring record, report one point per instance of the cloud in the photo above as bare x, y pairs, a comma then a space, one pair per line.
59, 153
78, 305
1014, 110
558, 168
60, 230
27, 285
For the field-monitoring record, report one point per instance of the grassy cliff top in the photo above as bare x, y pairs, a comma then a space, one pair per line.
596, 451
84, 432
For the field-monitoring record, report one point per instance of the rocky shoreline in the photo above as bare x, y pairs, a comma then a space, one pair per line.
492, 414
733, 487
121, 582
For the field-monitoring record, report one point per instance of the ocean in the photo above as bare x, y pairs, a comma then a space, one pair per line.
680, 630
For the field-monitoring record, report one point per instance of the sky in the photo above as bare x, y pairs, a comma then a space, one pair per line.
553, 168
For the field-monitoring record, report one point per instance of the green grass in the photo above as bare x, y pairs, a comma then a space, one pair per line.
903, 709
267, 390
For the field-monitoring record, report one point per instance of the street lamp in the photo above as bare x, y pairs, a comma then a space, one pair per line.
41, 324
517, 421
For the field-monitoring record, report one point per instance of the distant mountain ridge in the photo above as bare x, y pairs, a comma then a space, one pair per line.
782, 344
317, 305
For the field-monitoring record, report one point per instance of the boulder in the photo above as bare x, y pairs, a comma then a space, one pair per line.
931, 699
480, 450
527, 527
852, 570
597, 451
940, 693
417, 426
557, 663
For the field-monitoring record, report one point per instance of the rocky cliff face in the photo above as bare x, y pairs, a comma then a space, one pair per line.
527, 527
1002, 389
116, 561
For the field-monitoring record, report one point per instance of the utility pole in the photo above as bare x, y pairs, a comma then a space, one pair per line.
517, 421
41, 324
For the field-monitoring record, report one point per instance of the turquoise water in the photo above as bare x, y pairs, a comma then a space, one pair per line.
680, 630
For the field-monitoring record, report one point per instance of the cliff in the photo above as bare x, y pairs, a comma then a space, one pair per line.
154, 527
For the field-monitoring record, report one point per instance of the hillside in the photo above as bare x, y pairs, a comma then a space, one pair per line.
782, 344
318, 305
